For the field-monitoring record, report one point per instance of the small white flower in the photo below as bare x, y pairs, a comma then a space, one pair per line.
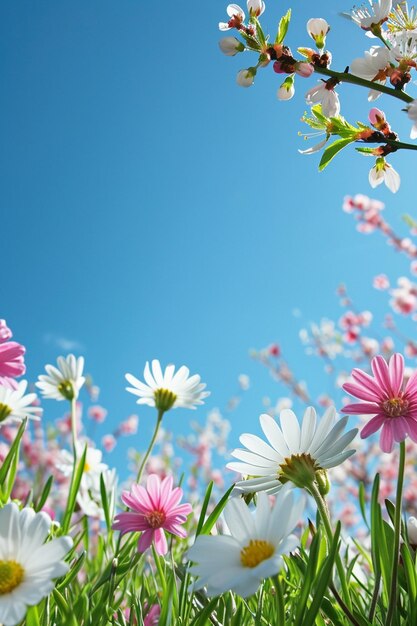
237, 17
253, 549
245, 78
256, 7
317, 28
328, 98
372, 16
230, 46
412, 530
286, 91
15, 405
376, 60
168, 390
311, 448
383, 172
89, 493
27, 564
64, 382
412, 114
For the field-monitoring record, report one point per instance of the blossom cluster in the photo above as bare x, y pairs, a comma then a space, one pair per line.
391, 63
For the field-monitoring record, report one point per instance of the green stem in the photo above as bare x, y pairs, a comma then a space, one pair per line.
151, 445
397, 535
345, 77
74, 429
400, 145
325, 518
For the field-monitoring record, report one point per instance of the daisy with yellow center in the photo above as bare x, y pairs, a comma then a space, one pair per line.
169, 389
252, 550
64, 381
16, 404
28, 565
296, 454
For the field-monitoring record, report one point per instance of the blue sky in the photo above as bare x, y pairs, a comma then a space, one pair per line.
152, 208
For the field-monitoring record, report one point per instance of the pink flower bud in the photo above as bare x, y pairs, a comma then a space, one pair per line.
304, 69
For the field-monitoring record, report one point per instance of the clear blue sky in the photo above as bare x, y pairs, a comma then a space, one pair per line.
152, 208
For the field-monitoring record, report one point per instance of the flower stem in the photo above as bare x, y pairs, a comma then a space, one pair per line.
345, 77
74, 428
397, 535
325, 518
151, 445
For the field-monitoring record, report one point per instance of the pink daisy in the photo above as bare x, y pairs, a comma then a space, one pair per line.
383, 395
155, 509
12, 353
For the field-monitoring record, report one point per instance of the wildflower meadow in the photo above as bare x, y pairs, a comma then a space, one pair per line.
143, 503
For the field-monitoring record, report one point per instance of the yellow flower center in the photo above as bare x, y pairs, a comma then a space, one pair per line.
11, 575
155, 519
164, 399
5, 411
87, 467
66, 389
257, 551
394, 407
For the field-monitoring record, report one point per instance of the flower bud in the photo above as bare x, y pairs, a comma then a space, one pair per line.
256, 7
286, 91
231, 46
304, 69
412, 530
318, 28
245, 78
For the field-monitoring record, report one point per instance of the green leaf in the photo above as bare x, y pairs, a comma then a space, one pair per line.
204, 508
12, 454
215, 514
32, 617
331, 151
283, 27
105, 503
323, 580
75, 485
44, 495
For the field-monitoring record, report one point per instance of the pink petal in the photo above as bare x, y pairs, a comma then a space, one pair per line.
372, 426
153, 487
160, 540
381, 373
359, 392
412, 428
387, 437
367, 381
166, 489
396, 372
399, 428
145, 540
411, 386
358, 409
361, 408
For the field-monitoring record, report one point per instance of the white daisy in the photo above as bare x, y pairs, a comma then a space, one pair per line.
253, 549
300, 455
64, 382
27, 564
15, 405
168, 390
372, 16
89, 493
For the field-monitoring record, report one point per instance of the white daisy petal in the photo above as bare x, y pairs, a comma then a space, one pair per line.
168, 389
